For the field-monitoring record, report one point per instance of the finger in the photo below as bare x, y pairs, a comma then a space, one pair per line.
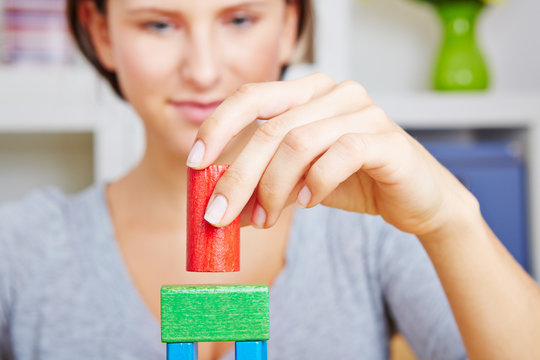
259, 217
381, 156
237, 184
251, 102
247, 212
299, 149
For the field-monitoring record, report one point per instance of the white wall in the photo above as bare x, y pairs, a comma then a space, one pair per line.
389, 45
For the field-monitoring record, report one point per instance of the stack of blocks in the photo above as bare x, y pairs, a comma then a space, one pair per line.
202, 313
194, 313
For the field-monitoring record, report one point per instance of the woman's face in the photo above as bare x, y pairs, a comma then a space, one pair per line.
176, 60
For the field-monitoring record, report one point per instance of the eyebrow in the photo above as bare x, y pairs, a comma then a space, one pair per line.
170, 10
152, 9
252, 3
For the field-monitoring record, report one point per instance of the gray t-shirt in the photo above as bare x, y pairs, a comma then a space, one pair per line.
349, 280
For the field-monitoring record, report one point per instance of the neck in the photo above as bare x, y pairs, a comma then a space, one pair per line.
153, 192
162, 175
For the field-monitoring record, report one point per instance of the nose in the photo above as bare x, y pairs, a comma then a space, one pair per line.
200, 65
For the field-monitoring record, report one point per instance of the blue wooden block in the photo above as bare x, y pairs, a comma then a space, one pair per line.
182, 351
250, 350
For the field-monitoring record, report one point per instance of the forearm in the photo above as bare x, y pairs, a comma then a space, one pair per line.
495, 302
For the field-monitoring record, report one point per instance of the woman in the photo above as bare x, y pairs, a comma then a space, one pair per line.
81, 275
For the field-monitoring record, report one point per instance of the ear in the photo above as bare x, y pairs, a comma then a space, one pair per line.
95, 23
290, 31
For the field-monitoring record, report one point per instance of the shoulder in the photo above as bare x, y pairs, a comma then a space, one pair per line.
27, 227
35, 227
38, 213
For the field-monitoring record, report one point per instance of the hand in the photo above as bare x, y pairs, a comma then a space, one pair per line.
325, 143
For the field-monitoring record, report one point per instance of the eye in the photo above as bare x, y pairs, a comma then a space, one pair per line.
158, 26
241, 20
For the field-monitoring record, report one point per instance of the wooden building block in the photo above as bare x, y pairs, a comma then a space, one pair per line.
209, 248
196, 313
182, 351
250, 350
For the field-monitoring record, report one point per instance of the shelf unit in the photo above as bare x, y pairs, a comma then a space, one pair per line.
514, 116
45, 99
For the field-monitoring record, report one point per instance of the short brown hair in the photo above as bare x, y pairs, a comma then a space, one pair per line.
303, 53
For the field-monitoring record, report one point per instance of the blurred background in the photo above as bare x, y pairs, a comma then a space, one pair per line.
465, 82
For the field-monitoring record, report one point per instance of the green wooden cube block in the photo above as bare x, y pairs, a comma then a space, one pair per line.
195, 313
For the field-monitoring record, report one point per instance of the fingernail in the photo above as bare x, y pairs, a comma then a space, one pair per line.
304, 196
216, 210
196, 154
259, 216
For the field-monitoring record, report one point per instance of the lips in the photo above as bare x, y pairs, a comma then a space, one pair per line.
194, 111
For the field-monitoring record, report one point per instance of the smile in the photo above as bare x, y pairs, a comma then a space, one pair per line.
194, 111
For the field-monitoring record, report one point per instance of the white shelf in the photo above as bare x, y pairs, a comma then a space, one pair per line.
74, 99
452, 110
66, 98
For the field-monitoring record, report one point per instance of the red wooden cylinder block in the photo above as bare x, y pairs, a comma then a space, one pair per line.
209, 248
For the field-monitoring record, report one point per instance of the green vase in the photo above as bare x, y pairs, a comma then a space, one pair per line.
460, 65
